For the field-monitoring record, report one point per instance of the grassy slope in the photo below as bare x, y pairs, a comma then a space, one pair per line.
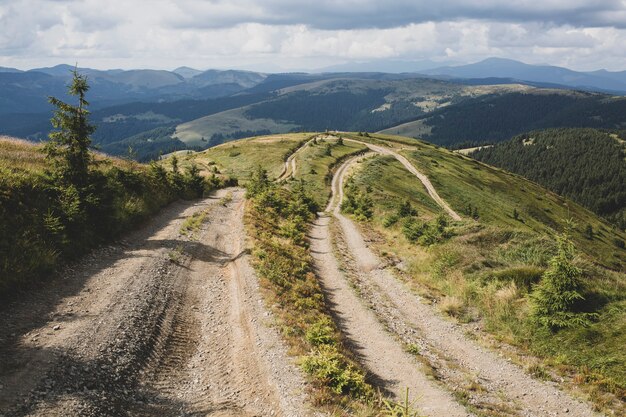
413, 129
313, 165
191, 133
461, 180
473, 272
41, 225
240, 158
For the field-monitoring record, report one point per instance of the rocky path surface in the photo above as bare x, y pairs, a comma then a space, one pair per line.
498, 384
389, 365
160, 324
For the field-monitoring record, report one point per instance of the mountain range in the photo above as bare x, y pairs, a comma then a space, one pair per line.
601, 80
157, 111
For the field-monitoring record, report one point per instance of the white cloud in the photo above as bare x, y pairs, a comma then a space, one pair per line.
306, 35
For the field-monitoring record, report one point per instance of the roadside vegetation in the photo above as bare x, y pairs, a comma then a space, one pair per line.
277, 218
60, 200
518, 266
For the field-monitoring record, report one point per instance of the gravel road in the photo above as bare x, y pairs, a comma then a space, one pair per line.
161, 323
452, 353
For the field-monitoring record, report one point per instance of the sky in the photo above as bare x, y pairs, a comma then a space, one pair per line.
295, 35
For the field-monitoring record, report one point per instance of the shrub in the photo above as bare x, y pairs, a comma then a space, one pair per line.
425, 234
406, 209
322, 332
390, 220
328, 365
357, 203
413, 229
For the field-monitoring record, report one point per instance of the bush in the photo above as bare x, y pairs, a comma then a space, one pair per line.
413, 229
357, 203
390, 220
406, 209
322, 332
328, 365
426, 234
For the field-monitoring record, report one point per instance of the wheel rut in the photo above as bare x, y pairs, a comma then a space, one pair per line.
160, 324
432, 192
390, 366
500, 387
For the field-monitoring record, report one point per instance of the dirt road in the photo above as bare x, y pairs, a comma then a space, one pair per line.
409, 166
500, 384
392, 367
289, 169
159, 324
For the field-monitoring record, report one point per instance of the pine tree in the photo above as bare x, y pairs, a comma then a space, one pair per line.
555, 297
68, 147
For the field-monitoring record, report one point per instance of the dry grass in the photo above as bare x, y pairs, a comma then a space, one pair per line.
21, 154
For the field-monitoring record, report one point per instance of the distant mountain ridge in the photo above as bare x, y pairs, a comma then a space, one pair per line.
601, 80
27, 91
488, 101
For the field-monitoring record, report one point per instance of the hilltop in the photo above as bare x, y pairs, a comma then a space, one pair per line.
481, 270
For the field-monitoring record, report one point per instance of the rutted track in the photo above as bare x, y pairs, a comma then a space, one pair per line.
505, 384
409, 166
289, 170
161, 324
379, 352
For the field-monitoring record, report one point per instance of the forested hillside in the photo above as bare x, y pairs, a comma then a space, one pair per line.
586, 165
495, 118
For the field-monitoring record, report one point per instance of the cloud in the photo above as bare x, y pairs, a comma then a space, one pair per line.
297, 34
363, 14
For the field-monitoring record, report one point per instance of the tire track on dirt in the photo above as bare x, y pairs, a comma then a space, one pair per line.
531, 397
391, 367
162, 325
289, 170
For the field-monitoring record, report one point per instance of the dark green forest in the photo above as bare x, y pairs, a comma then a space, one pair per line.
336, 111
496, 118
586, 165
